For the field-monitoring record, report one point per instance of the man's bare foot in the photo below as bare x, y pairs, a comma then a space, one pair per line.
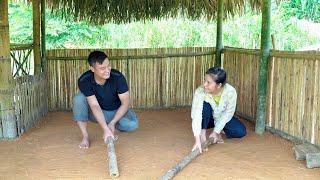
84, 143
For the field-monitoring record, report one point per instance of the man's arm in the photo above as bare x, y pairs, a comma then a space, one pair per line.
98, 114
123, 109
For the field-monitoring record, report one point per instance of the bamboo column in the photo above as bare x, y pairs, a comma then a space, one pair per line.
8, 129
185, 161
112, 157
43, 35
36, 36
263, 71
219, 45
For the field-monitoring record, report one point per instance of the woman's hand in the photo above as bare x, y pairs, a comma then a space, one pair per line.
197, 144
217, 138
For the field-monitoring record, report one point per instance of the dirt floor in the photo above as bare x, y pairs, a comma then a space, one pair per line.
50, 151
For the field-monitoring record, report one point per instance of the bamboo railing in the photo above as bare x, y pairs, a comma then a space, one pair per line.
157, 77
31, 101
21, 59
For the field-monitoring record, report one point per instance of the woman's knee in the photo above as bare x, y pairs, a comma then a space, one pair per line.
207, 107
242, 131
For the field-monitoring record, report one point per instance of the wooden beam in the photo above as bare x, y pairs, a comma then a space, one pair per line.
8, 128
36, 36
219, 45
263, 71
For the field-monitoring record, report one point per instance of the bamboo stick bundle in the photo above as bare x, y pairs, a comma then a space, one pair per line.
185, 161
112, 157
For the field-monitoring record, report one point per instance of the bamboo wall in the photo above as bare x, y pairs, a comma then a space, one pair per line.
242, 66
31, 101
293, 104
294, 94
157, 77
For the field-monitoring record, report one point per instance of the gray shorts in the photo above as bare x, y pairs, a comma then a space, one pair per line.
81, 112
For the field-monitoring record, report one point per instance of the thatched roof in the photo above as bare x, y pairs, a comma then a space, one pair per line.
124, 11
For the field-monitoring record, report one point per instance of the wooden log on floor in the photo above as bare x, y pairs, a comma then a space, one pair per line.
302, 150
185, 161
313, 160
112, 157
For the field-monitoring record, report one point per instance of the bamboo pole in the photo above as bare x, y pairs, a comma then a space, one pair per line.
112, 157
219, 45
36, 35
43, 35
263, 71
7, 119
185, 161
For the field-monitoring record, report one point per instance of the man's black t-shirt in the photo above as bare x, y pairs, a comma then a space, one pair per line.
107, 94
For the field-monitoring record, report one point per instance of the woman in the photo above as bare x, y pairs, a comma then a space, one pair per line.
213, 106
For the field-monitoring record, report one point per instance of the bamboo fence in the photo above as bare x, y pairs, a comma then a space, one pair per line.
30, 101
294, 94
156, 77
293, 108
242, 66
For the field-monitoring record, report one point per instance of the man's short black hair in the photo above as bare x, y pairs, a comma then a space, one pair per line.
218, 75
96, 57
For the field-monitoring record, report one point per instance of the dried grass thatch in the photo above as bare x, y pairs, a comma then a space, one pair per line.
124, 11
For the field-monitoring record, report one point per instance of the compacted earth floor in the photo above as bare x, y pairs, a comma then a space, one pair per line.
50, 151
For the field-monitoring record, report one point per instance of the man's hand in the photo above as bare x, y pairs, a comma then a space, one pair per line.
217, 138
112, 127
197, 144
107, 133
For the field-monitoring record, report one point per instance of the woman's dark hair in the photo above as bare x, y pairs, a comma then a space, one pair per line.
218, 75
96, 57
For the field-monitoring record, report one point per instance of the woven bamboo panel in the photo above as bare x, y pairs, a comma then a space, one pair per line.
294, 92
242, 67
31, 101
156, 77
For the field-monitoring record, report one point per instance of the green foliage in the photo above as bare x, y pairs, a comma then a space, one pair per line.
303, 9
241, 31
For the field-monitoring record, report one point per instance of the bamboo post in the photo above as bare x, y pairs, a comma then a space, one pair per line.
112, 157
36, 35
263, 71
185, 161
43, 35
219, 45
7, 120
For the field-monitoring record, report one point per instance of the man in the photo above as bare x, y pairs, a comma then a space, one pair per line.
103, 97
